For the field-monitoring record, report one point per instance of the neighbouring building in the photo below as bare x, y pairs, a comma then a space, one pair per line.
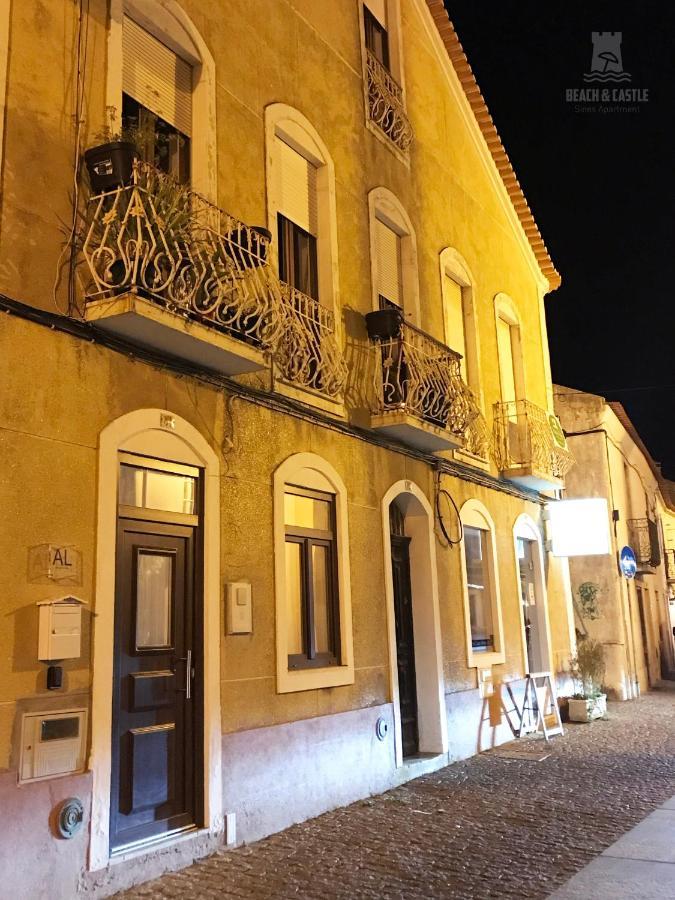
277, 424
631, 616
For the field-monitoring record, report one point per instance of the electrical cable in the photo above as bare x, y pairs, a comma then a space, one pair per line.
81, 330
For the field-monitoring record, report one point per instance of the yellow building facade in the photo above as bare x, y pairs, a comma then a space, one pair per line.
279, 555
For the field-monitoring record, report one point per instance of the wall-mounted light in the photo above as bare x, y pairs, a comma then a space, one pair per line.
579, 527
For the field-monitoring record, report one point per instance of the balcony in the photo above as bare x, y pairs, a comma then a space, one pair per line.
421, 398
530, 446
385, 104
170, 271
308, 355
643, 537
670, 566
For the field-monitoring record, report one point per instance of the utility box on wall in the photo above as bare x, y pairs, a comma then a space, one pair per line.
60, 628
52, 744
239, 608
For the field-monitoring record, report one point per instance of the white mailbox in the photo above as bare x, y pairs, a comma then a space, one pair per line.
60, 628
52, 743
239, 608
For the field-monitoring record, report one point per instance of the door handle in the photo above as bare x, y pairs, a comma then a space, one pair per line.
187, 690
188, 676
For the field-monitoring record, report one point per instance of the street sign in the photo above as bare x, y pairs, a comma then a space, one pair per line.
628, 562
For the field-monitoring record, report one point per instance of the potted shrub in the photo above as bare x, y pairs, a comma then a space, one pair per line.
384, 324
588, 669
110, 163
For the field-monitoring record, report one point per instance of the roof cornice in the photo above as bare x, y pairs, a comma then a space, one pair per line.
494, 144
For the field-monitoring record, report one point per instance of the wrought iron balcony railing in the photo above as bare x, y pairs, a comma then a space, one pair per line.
529, 444
670, 565
643, 537
157, 238
308, 354
385, 104
421, 377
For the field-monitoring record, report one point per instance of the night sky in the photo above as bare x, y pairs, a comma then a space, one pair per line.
600, 185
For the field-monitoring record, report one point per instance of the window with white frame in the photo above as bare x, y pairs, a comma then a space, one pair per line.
313, 598
383, 74
393, 252
453, 314
484, 633
505, 348
479, 588
312, 591
157, 100
388, 265
297, 220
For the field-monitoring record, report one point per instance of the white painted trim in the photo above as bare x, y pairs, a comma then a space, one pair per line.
525, 527
5, 10
474, 514
311, 470
169, 22
419, 525
453, 264
285, 122
386, 206
546, 353
474, 131
127, 433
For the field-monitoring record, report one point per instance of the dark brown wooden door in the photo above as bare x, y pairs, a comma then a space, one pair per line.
405, 643
154, 784
643, 631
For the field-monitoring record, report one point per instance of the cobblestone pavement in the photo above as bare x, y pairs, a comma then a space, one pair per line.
487, 827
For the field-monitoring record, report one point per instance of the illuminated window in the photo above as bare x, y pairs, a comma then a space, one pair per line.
313, 624
482, 607
476, 549
314, 643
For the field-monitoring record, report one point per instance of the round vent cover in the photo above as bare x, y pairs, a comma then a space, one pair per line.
70, 817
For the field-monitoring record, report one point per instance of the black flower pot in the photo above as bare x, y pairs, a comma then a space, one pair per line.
110, 165
248, 249
384, 324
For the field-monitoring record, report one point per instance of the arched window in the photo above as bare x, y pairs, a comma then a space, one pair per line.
482, 606
311, 555
509, 349
393, 254
459, 315
161, 80
301, 205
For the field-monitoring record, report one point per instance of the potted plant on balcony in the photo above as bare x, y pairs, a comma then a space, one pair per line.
384, 324
111, 162
588, 669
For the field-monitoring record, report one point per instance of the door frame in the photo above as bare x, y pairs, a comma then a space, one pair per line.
525, 527
431, 712
162, 434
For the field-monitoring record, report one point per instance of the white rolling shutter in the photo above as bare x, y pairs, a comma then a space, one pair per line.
388, 257
297, 188
156, 77
379, 9
505, 350
453, 313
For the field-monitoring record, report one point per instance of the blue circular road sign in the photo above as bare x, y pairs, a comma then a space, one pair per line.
628, 562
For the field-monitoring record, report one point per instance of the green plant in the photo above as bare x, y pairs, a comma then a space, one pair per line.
588, 600
140, 134
588, 668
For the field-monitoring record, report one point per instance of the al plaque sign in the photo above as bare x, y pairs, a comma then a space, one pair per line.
55, 564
